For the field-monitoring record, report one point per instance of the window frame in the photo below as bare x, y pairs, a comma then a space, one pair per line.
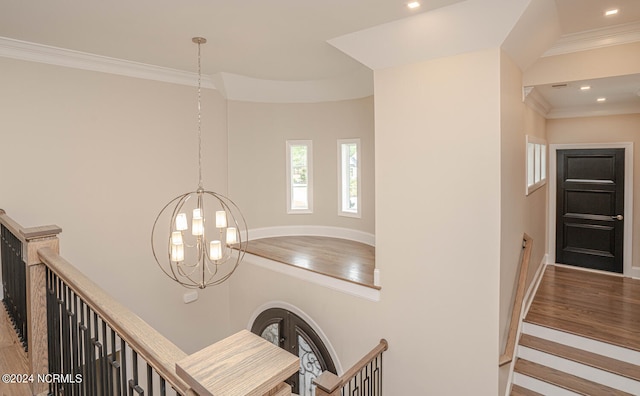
290, 186
536, 162
341, 178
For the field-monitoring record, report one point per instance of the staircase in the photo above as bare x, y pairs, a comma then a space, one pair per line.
552, 362
571, 345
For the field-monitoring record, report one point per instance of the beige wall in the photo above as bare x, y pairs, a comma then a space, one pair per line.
605, 129
437, 236
99, 155
257, 165
519, 213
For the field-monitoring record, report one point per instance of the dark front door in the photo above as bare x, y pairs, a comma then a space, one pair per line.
590, 205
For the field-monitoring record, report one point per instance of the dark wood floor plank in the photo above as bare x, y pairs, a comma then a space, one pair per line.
339, 258
594, 305
520, 391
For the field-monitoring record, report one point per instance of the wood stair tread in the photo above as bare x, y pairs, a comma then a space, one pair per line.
604, 363
564, 380
520, 391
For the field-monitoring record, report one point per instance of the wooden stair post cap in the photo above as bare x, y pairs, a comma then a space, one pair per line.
243, 364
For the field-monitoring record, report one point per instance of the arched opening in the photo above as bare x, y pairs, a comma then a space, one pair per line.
290, 332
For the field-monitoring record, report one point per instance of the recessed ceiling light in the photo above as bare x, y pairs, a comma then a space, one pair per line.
611, 12
413, 4
601, 99
585, 87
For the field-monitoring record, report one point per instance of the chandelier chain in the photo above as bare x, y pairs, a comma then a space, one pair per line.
199, 121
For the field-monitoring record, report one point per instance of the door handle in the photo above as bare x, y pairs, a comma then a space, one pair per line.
618, 217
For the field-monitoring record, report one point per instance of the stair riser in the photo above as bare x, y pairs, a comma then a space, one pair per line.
593, 374
587, 344
541, 387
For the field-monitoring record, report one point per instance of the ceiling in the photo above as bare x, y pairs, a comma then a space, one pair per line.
276, 40
273, 40
622, 93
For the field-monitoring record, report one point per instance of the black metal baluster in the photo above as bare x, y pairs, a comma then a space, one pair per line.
66, 337
134, 368
14, 283
149, 380
52, 339
380, 374
114, 378
123, 359
98, 360
76, 363
82, 350
163, 387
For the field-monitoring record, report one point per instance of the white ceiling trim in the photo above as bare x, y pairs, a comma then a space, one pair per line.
232, 86
597, 38
356, 85
532, 98
594, 110
33, 52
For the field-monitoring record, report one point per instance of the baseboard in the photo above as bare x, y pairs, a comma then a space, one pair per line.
313, 230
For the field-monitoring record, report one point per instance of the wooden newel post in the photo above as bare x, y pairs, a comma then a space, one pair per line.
243, 364
328, 384
36, 238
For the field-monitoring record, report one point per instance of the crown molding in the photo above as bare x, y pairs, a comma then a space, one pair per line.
593, 111
355, 85
596, 38
532, 98
33, 52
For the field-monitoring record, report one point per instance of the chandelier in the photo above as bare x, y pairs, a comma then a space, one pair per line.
208, 249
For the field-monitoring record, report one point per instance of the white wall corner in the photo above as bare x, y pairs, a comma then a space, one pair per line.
537, 29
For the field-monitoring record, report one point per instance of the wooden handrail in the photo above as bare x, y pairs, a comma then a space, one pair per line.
27, 234
381, 347
330, 383
510, 347
152, 346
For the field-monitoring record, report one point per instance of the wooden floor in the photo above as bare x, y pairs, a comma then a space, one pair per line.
338, 258
13, 359
594, 305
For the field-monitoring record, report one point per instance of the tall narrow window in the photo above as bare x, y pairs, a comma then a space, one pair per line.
349, 177
299, 176
536, 163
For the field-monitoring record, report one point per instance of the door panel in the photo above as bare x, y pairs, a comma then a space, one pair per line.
590, 194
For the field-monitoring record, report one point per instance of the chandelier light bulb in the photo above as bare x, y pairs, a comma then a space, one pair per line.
232, 236
215, 250
181, 222
177, 252
221, 219
176, 238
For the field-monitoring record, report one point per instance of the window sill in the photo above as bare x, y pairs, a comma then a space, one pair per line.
535, 186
